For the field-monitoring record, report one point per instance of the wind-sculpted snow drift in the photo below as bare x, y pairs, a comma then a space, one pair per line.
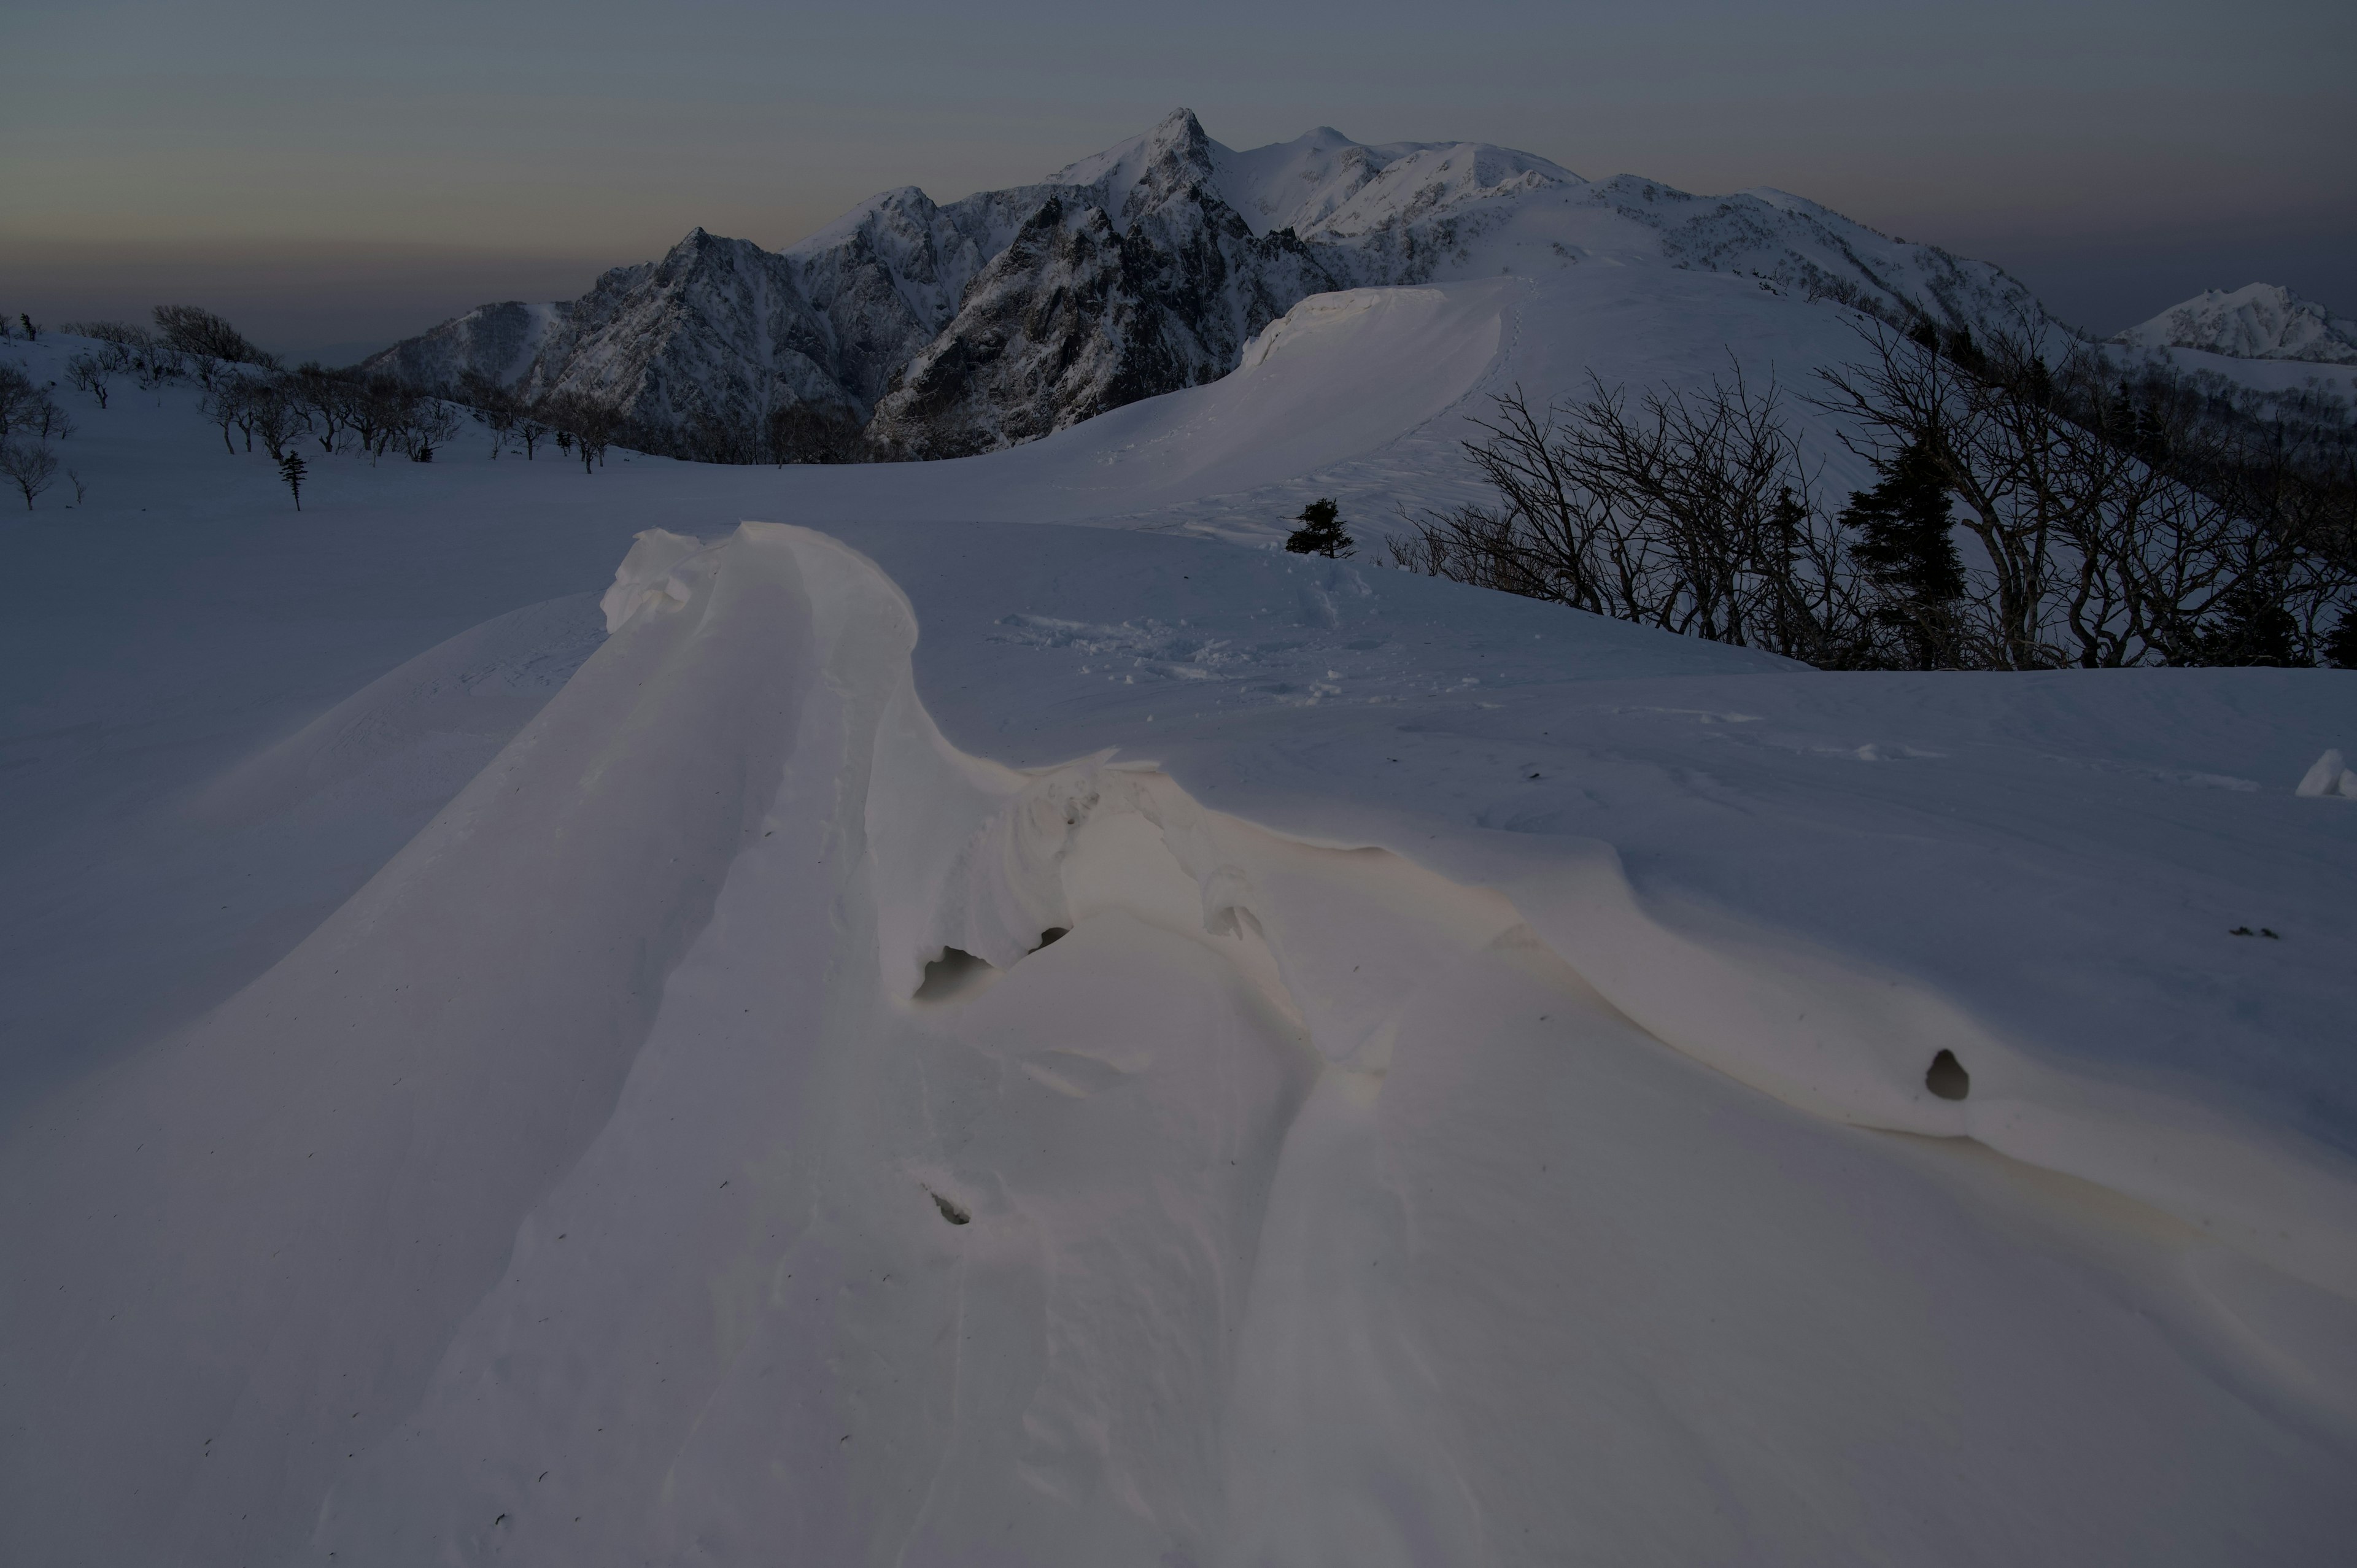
745, 1126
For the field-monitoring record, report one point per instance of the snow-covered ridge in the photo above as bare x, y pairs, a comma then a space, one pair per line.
601, 1157
1222, 1193
950, 328
2257, 321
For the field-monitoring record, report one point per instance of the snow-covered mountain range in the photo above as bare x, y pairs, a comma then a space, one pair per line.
2257, 321
946, 329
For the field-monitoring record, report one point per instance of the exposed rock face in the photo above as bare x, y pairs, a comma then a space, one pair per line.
950, 329
2257, 321
1084, 311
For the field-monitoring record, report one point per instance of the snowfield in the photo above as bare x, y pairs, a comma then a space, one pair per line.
978, 1013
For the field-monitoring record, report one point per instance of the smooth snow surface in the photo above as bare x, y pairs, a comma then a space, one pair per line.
904, 1034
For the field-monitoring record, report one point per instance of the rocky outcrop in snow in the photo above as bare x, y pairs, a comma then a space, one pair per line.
2257, 321
1140, 281
951, 329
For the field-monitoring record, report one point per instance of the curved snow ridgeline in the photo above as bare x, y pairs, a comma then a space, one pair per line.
743, 1122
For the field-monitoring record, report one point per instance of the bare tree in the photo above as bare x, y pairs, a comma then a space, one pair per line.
28, 465
530, 428
2107, 539
121, 334
222, 403
270, 413
494, 406
23, 405
329, 402
1692, 511
85, 371
17, 397
592, 422
196, 331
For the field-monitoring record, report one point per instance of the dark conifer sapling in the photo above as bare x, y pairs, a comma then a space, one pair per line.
1320, 533
292, 469
2340, 644
1903, 545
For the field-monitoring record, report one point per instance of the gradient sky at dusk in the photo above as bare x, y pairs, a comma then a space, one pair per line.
334, 177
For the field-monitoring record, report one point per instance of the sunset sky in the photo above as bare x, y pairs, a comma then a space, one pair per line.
335, 176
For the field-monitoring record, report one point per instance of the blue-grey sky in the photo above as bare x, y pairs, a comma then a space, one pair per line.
334, 175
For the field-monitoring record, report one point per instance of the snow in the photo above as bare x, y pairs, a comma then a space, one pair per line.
491, 1065
2257, 321
2329, 776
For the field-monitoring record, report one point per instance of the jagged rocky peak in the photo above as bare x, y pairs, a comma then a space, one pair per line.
914, 328
2257, 321
1135, 176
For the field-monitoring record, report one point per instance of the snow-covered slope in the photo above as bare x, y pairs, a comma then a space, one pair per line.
489, 1080
2257, 321
960, 329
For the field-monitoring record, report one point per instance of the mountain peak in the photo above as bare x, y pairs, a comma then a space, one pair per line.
2256, 321
1176, 135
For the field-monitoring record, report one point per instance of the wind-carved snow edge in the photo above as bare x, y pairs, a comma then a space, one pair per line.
969, 855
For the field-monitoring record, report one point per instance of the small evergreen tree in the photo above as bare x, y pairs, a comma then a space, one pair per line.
2252, 627
1904, 549
2340, 643
1320, 533
292, 469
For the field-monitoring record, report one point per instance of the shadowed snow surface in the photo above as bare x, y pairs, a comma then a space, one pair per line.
469, 1097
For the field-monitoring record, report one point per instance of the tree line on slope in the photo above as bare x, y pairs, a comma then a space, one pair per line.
2110, 518
253, 399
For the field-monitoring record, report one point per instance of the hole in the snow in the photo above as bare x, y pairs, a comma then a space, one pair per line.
1053, 935
951, 1211
953, 971
1946, 1077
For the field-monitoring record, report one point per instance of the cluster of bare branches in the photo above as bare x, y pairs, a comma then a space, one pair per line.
2111, 530
585, 425
343, 412
29, 420
1692, 511
581, 425
2101, 527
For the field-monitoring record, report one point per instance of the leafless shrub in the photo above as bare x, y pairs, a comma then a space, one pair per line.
121, 334
591, 422
1692, 511
2111, 527
2110, 535
29, 466
199, 333
89, 373
269, 411
25, 406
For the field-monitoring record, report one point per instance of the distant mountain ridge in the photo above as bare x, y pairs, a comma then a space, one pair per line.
945, 329
2257, 321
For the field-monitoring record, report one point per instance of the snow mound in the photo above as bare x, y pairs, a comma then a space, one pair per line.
607, 1183
2257, 321
1336, 377
2330, 775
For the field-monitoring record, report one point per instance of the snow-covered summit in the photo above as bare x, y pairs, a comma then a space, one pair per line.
950, 328
1320, 185
2257, 321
